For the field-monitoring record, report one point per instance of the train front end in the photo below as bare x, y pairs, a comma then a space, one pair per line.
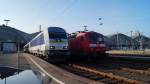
96, 43
58, 43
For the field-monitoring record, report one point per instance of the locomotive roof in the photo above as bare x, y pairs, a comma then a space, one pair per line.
56, 29
78, 32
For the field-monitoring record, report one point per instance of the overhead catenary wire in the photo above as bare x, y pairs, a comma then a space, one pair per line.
67, 8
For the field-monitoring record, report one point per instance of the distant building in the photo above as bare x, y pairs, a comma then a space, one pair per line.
121, 41
144, 42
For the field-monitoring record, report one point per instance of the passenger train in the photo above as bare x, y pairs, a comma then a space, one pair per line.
51, 44
87, 44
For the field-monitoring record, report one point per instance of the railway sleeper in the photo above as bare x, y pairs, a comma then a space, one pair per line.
137, 71
108, 75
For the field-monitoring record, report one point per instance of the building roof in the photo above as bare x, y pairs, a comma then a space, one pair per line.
122, 39
144, 39
9, 34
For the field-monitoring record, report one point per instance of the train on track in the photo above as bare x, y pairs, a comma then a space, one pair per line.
51, 44
87, 44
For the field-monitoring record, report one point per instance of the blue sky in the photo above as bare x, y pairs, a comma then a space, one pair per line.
117, 15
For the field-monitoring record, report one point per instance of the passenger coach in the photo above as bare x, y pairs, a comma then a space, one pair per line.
51, 44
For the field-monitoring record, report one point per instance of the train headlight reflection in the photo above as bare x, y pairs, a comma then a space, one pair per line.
65, 47
52, 47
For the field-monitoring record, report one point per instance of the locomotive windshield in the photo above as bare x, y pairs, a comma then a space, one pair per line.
93, 37
58, 35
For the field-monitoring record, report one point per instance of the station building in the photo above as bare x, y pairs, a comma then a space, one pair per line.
12, 39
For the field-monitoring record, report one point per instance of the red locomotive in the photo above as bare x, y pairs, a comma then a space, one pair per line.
87, 43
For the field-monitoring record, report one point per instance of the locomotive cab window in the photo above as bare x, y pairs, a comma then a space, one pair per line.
95, 37
58, 35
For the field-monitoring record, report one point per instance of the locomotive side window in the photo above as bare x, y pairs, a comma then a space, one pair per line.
100, 39
38, 41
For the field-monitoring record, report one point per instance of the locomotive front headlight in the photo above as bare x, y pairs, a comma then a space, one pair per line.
52, 47
65, 47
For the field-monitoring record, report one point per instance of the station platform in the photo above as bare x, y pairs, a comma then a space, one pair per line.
130, 52
56, 75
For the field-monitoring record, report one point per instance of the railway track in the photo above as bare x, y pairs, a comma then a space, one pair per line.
142, 72
112, 72
138, 71
97, 75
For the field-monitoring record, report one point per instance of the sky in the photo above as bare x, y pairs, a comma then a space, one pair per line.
117, 15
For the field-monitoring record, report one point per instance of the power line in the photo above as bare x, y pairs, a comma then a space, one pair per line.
69, 6
66, 9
